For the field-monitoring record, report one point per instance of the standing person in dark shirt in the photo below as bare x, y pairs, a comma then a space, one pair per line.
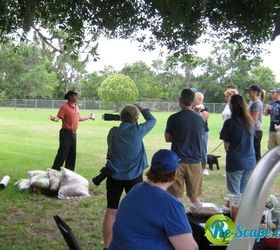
256, 110
273, 109
238, 136
185, 130
69, 113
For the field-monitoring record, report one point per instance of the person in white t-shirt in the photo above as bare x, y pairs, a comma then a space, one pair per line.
230, 91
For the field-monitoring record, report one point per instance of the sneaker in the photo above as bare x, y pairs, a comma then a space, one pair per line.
205, 172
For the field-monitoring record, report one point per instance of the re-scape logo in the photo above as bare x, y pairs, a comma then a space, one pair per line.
220, 230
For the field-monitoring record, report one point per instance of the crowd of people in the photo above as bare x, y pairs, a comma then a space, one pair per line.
152, 215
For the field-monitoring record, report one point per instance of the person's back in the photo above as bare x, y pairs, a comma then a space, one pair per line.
185, 131
150, 218
128, 158
238, 136
241, 153
140, 220
186, 128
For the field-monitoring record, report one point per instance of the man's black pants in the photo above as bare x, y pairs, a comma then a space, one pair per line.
257, 144
66, 151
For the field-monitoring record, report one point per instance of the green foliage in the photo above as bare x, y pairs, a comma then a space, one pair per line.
90, 85
230, 64
26, 72
146, 81
176, 24
70, 70
263, 77
118, 89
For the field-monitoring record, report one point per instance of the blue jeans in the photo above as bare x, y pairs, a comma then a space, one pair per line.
237, 180
204, 148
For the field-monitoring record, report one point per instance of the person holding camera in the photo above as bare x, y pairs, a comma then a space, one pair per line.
127, 161
69, 113
149, 217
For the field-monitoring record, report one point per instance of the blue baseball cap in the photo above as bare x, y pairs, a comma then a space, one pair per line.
168, 160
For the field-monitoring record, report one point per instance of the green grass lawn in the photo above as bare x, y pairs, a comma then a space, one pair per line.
29, 140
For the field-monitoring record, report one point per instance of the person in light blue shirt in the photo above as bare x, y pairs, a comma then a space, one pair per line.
149, 217
127, 161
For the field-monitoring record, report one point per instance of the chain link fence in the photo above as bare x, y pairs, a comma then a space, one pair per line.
98, 105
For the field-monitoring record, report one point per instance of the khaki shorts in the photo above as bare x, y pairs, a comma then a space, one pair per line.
273, 140
190, 175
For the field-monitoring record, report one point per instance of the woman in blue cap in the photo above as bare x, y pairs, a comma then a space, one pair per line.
151, 218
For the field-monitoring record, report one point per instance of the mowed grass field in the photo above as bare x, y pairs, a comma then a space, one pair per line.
29, 141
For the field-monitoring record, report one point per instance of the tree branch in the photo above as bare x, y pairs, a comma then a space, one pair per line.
47, 40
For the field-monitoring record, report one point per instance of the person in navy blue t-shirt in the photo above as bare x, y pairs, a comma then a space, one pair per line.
238, 136
185, 130
149, 217
273, 109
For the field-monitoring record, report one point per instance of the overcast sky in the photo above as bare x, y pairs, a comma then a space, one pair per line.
119, 52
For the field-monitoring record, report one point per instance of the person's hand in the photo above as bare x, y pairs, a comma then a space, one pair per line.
277, 128
139, 107
197, 109
52, 118
92, 116
268, 107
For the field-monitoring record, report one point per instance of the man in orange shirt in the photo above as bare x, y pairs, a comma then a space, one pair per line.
69, 113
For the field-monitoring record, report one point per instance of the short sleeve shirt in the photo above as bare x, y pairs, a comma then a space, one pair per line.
257, 106
147, 216
226, 114
186, 128
274, 115
70, 115
241, 153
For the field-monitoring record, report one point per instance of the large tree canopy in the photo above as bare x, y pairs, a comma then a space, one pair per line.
175, 24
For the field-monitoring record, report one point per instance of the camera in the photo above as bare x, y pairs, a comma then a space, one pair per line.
104, 173
111, 117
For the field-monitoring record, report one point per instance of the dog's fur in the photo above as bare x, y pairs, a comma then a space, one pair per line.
213, 160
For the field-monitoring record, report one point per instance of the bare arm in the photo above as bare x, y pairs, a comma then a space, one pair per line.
205, 115
88, 117
267, 110
277, 128
226, 145
255, 115
168, 137
183, 242
139, 107
54, 118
